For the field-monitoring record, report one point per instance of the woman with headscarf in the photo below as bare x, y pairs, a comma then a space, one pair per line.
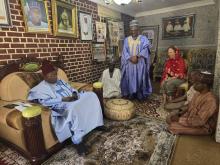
174, 73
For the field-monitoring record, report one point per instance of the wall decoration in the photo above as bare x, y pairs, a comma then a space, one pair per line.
65, 19
35, 13
98, 51
113, 29
152, 33
178, 26
5, 15
85, 24
121, 30
100, 31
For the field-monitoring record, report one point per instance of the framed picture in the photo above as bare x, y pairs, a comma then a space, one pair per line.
113, 29
100, 31
35, 13
152, 33
65, 19
178, 26
98, 51
121, 30
85, 24
5, 15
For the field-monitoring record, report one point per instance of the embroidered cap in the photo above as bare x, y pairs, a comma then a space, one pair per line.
133, 23
47, 67
206, 77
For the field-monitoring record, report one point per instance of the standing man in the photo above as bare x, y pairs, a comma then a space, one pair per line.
135, 64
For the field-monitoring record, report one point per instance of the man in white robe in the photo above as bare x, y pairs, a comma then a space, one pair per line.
111, 79
73, 114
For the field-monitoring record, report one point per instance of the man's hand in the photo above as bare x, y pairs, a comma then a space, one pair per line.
173, 117
134, 59
70, 98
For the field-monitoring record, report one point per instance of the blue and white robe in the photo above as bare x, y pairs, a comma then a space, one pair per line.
69, 119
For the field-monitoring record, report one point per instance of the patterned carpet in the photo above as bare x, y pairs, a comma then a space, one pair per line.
141, 140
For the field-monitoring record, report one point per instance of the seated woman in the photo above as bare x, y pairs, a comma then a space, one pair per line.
111, 78
200, 117
183, 101
174, 73
73, 114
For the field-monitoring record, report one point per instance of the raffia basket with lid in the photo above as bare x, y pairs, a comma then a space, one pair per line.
119, 109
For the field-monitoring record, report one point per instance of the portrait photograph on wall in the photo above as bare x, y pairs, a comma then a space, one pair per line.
152, 33
113, 30
121, 30
5, 15
178, 26
35, 13
98, 51
65, 19
100, 31
85, 26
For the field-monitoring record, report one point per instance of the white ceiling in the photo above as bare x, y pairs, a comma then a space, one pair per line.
147, 6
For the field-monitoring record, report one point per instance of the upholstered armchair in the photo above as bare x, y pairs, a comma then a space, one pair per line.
32, 136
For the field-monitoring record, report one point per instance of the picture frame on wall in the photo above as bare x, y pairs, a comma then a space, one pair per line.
178, 26
100, 31
35, 14
5, 15
152, 33
65, 20
85, 26
99, 52
114, 35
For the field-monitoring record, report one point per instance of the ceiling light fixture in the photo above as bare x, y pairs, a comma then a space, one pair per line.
122, 2
108, 2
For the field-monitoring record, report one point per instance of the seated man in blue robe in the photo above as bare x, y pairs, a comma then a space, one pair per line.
73, 114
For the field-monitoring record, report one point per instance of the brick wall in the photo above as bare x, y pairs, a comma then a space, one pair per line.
16, 43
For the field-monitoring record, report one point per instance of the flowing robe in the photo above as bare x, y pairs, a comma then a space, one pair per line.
69, 119
111, 85
200, 118
135, 77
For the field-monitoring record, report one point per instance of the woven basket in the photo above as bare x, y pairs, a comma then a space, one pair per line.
119, 109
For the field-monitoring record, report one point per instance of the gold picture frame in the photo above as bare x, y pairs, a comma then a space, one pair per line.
35, 14
65, 19
5, 15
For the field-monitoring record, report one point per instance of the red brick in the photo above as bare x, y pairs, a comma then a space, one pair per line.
29, 35
19, 50
3, 51
4, 45
11, 50
16, 23
33, 55
18, 56
15, 39
29, 40
2, 33
17, 45
31, 45
43, 45
2, 56
23, 39
1, 39
21, 29
14, 34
